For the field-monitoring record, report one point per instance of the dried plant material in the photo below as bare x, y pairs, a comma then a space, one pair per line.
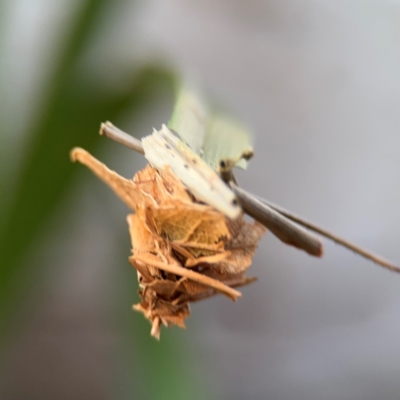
163, 148
183, 251
175, 269
241, 248
192, 262
124, 188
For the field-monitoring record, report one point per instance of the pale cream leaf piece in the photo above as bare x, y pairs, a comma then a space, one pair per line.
163, 148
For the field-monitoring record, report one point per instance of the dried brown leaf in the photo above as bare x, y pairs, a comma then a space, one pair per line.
190, 222
151, 260
124, 188
183, 251
242, 248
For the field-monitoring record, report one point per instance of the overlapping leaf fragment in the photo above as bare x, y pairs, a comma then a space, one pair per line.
183, 251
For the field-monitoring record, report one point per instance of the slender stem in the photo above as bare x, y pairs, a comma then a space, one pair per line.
282, 227
109, 130
337, 239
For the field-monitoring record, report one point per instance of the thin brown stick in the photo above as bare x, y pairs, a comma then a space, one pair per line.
337, 239
192, 275
280, 226
109, 130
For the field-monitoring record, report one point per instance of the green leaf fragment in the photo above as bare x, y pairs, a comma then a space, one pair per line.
227, 144
189, 118
221, 141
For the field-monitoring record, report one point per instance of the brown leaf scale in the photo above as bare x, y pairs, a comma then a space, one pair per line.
183, 251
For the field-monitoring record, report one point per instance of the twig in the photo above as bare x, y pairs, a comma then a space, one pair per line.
280, 226
109, 130
190, 274
337, 239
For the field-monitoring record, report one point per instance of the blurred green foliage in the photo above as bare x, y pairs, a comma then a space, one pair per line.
70, 116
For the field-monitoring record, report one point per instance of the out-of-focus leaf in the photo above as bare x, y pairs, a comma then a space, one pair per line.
71, 116
189, 118
217, 138
226, 141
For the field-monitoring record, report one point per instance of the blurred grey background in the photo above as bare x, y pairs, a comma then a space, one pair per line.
319, 84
